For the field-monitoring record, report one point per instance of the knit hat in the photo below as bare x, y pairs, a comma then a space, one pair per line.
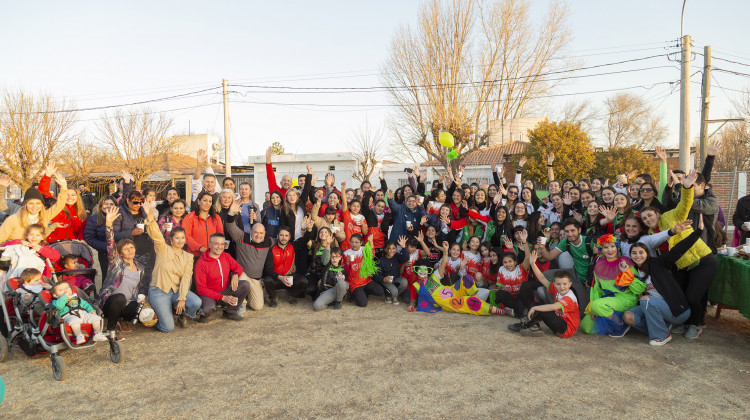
33, 194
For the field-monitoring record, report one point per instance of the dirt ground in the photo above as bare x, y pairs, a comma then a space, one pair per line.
384, 362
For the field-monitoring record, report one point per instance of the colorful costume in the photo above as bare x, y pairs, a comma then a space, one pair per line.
433, 296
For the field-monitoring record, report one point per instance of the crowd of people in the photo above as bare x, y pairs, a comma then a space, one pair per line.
581, 255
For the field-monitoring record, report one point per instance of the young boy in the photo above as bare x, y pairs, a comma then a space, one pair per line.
562, 316
332, 285
75, 311
70, 262
33, 284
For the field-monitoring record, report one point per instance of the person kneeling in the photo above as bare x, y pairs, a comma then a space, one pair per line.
217, 278
75, 311
562, 316
332, 286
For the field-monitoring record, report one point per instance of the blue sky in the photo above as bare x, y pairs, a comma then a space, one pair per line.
103, 53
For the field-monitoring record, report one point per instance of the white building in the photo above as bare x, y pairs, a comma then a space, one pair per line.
514, 129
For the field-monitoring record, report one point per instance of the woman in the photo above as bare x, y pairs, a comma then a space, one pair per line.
520, 215
33, 212
170, 282
622, 212
558, 211
491, 192
270, 215
173, 218
131, 225
584, 184
663, 303
200, 224
512, 195
481, 203
591, 226
529, 198
568, 184
149, 196
536, 225
95, 233
608, 196
171, 195
293, 213
574, 195
635, 231
126, 279
226, 198
333, 201
647, 192
69, 222
587, 196
597, 185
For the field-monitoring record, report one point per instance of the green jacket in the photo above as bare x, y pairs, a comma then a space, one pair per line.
65, 303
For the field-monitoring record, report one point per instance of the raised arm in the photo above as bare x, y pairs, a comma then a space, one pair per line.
270, 175
153, 228
537, 272
550, 167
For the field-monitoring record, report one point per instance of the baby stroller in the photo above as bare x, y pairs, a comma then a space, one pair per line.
43, 333
85, 257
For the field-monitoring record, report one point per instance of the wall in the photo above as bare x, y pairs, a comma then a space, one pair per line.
721, 185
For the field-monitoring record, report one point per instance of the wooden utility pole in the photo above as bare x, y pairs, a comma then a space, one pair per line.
685, 106
705, 100
227, 159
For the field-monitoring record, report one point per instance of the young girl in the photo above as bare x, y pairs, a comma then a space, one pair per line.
436, 202
562, 316
270, 215
612, 293
389, 275
509, 278
359, 285
320, 256
353, 221
31, 252
332, 285
473, 261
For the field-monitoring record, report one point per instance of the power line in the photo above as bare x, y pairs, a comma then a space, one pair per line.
153, 112
736, 73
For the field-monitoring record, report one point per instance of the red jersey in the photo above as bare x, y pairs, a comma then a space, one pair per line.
408, 267
378, 237
568, 310
351, 227
434, 207
452, 266
473, 263
512, 279
353, 263
283, 259
490, 277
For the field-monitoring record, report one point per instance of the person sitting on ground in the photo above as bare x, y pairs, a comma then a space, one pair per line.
280, 269
217, 278
75, 311
332, 285
360, 286
562, 316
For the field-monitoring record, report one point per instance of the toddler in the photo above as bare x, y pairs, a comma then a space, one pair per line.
70, 262
75, 311
33, 284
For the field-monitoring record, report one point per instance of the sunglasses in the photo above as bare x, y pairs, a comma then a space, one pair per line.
423, 268
137, 203
512, 192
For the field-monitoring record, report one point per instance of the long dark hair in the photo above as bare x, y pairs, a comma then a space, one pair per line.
211, 211
532, 226
100, 216
646, 264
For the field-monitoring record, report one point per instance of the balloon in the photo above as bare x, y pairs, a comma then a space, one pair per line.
295, 182
452, 155
446, 139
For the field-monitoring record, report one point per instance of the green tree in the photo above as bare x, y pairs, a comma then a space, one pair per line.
622, 160
278, 149
574, 156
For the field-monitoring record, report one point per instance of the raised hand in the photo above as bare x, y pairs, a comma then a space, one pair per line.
149, 207
309, 169
679, 227
690, 179
60, 180
550, 158
269, 153
533, 257
201, 157
423, 221
308, 223
313, 180
50, 169
330, 180
112, 214
632, 174
420, 237
661, 154
713, 149
623, 266
343, 187
523, 236
673, 180
382, 176
508, 243
522, 161
402, 241
416, 171
445, 220
609, 212
235, 207
446, 246
126, 176
567, 199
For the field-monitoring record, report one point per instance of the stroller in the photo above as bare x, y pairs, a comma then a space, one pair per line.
36, 333
85, 257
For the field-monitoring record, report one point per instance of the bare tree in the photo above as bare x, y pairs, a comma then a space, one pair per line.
583, 113
734, 148
369, 148
468, 63
629, 121
81, 158
138, 140
33, 131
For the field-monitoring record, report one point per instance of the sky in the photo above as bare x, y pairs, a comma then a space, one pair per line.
112, 53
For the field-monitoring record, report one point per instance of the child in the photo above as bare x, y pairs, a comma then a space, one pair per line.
360, 284
75, 311
473, 260
31, 252
562, 316
412, 246
332, 285
33, 284
70, 262
389, 275
509, 278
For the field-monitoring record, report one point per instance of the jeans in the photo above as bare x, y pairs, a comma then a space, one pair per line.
334, 294
652, 316
483, 294
163, 302
394, 288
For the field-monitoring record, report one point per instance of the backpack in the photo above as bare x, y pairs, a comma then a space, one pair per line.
589, 280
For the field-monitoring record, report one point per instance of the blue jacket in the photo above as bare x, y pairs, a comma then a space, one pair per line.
94, 234
391, 266
402, 214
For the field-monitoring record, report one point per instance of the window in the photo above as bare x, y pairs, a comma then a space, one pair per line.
274, 168
331, 167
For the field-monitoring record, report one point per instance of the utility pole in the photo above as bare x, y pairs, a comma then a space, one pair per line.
685, 106
227, 159
705, 100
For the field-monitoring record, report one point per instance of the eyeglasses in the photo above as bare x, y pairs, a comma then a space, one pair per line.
646, 189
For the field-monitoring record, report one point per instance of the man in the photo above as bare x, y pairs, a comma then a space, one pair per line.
267, 202
301, 181
286, 180
249, 211
280, 270
88, 198
252, 252
741, 218
706, 204
581, 250
209, 179
217, 278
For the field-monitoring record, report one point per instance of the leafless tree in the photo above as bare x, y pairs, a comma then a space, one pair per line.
33, 131
583, 113
138, 139
630, 121
369, 148
81, 158
734, 147
468, 63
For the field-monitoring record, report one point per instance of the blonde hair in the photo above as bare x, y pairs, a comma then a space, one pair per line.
217, 204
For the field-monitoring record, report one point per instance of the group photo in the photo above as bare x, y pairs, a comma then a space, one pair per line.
500, 208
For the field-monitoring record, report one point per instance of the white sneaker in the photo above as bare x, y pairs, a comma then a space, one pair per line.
80, 339
656, 342
242, 309
679, 329
693, 332
100, 337
395, 301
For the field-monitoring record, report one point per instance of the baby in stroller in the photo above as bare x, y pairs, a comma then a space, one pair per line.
74, 311
70, 262
32, 285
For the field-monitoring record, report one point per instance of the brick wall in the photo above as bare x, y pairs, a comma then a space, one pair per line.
721, 185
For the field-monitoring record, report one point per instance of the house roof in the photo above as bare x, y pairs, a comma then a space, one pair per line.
488, 156
169, 162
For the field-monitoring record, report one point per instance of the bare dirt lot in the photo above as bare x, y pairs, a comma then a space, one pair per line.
384, 362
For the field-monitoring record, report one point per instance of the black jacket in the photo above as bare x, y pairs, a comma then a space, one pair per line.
742, 215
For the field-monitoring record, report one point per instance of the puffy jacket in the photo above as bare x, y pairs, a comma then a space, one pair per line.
95, 234
212, 274
402, 214
680, 213
198, 231
68, 216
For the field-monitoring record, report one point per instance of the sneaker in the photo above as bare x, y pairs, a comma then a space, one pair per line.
517, 327
232, 316
201, 317
625, 331
80, 339
336, 305
532, 331
656, 342
119, 337
242, 309
293, 301
680, 329
272, 303
693, 332
181, 320
100, 337
395, 301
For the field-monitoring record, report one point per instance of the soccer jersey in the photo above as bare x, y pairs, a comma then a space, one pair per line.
580, 256
351, 227
353, 263
489, 276
568, 310
511, 280
434, 207
473, 263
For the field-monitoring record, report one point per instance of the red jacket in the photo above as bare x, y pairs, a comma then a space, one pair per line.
45, 252
199, 230
212, 274
283, 259
69, 217
272, 184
